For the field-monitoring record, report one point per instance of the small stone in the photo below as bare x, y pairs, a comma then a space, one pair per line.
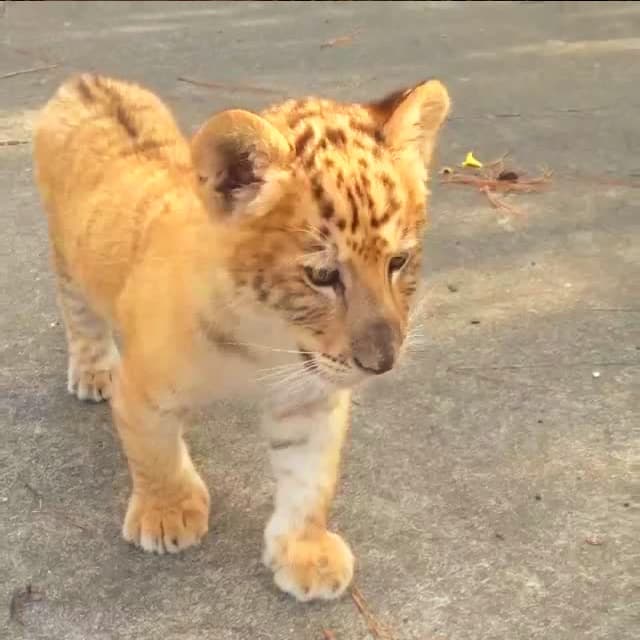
452, 287
4, 499
509, 176
538, 496
595, 374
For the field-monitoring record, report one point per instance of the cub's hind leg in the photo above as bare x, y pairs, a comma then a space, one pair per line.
93, 354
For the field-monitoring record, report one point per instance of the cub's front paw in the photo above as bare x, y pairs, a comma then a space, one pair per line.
92, 380
318, 566
171, 521
90, 385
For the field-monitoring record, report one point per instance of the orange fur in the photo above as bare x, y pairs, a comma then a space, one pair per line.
275, 254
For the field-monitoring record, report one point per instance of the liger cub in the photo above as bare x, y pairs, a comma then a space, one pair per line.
274, 254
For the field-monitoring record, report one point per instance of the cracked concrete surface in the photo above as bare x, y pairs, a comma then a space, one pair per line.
489, 487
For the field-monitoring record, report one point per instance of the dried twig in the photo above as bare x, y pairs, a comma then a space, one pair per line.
494, 178
21, 72
376, 628
498, 162
498, 203
232, 88
337, 42
543, 365
57, 514
34, 492
22, 598
13, 143
606, 182
526, 185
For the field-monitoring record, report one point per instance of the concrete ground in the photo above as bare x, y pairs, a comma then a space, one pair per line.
488, 489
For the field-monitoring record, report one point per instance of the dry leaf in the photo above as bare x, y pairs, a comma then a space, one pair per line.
340, 41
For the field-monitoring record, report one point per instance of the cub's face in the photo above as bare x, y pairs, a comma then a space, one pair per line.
328, 201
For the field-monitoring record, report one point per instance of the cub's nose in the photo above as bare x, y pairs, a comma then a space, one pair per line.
374, 349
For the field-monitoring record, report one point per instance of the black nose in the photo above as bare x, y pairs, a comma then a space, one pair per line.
374, 350
383, 366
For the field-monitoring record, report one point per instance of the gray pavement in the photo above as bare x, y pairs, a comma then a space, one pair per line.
489, 490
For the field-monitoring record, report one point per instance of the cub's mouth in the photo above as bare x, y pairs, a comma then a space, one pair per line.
306, 357
319, 366
311, 364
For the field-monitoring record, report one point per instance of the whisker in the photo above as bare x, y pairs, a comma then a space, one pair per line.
278, 373
291, 380
299, 369
416, 332
302, 372
415, 340
276, 367
300, 383
266, 347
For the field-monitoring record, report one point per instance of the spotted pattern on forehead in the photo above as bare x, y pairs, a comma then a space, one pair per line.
357, 197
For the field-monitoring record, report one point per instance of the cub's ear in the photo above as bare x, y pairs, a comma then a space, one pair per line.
411, 119
241, 161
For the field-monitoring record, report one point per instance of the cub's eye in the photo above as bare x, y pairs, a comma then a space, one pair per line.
397, 262
322, 277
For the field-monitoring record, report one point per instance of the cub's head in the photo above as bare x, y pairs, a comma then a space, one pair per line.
326, 204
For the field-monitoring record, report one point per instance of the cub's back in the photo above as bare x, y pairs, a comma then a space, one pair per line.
107, 156
94, 123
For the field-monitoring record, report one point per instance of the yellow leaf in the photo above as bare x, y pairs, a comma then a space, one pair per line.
470, 161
